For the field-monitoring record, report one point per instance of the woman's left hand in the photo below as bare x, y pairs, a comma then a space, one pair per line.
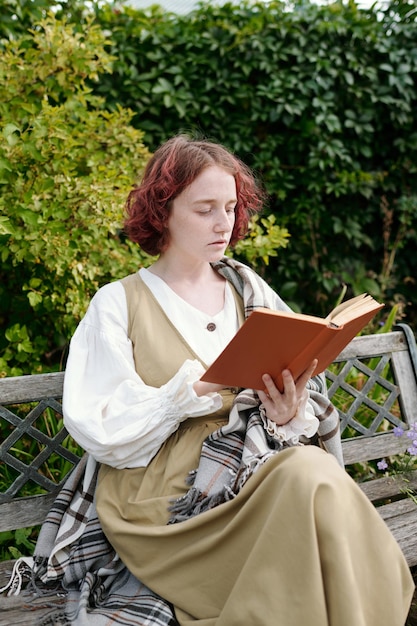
282, 407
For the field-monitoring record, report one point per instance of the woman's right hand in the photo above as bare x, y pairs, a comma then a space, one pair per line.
282, 407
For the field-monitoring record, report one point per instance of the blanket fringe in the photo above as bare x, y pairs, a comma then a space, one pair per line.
190, 480
26, 577
22, 570
195, 501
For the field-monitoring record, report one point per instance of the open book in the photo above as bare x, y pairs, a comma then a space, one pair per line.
271, 341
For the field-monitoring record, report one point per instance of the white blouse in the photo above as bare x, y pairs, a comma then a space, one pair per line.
107, 407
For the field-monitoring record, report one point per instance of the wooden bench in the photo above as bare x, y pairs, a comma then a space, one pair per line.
384, 365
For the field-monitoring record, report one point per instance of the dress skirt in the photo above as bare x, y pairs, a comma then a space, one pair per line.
300, 545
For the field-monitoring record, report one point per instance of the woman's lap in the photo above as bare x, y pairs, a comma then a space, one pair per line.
299, 529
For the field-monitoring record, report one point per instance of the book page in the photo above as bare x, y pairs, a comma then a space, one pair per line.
353, 308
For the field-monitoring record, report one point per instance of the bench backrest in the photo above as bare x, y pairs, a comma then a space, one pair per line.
384, 370
385, 366
31, 412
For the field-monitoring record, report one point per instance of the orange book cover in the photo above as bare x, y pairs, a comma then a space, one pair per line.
270, 341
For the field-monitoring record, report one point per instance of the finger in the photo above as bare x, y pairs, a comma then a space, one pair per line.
269, 383
272, 390
307, 374
288, 382
263, 397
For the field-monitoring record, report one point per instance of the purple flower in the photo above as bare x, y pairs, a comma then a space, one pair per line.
398, 431
413, 449
382, 464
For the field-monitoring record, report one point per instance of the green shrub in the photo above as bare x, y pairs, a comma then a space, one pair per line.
320, 100
66, 164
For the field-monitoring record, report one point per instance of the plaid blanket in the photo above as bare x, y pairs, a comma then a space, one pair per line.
72, 549
231, 454
72, 554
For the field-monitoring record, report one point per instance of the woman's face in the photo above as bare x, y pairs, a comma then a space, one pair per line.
202, 217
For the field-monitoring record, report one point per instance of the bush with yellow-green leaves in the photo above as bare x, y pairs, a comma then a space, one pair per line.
66, 165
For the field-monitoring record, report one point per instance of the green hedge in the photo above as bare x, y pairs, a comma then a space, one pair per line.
320, 101
66, 166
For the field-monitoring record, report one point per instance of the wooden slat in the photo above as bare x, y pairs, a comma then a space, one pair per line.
388, 486
31, 388
373, 345
22, 611
394, 510
401, 519
25, 512
377, 446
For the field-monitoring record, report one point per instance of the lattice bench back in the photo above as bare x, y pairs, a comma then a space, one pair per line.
373, 383
36, 448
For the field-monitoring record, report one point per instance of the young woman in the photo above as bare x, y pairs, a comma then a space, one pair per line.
215, 500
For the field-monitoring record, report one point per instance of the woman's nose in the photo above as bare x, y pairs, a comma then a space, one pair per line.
223, 222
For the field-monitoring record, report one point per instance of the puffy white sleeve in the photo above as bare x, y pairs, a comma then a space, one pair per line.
107, 407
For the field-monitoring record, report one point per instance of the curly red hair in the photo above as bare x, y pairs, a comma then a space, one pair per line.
172, 168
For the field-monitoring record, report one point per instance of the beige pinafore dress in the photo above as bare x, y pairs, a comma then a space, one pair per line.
299, 545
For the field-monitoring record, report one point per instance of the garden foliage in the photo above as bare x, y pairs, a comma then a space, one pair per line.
66, 164
320, 100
